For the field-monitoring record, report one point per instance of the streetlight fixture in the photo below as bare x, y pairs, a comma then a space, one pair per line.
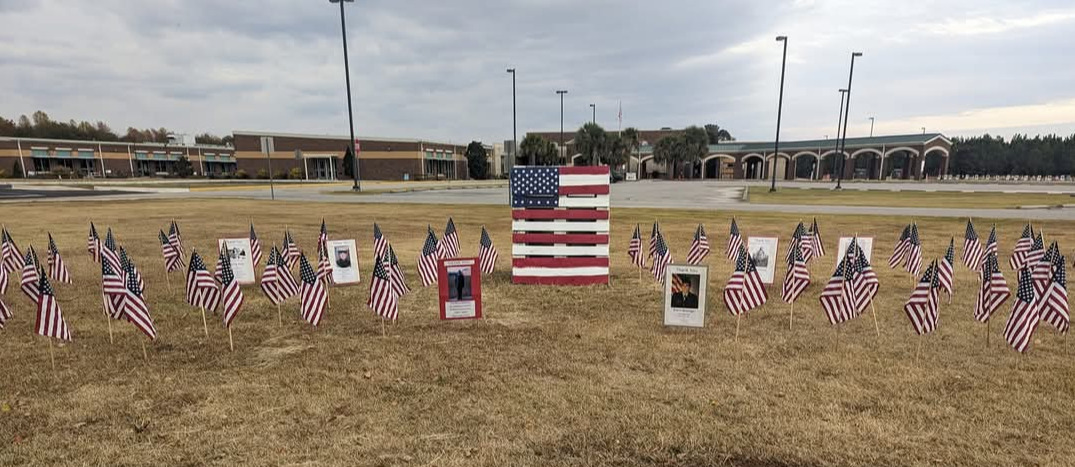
836, 144
779, 109
514, 125
847, 112
593, 107
871, 127
347, 77
563, 150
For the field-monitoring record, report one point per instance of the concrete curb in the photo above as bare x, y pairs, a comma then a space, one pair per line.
140, 189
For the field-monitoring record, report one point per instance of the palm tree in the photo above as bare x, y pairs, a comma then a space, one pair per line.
696, 146
669, 151
631, 142
717, 134
592, 140
544, 151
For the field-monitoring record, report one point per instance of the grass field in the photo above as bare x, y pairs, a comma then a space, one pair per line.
912, 199
551, 376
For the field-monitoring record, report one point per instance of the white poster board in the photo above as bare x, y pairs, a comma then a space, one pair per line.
866, 243
684, 295
242, 264
764, 252
344, 259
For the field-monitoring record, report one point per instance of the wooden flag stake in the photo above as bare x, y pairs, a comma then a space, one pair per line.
873, 309
382, 326
987, 334
168, 279
108, 318
737, 318
791, 316
231, 342
204, 324
144, 354
52, 357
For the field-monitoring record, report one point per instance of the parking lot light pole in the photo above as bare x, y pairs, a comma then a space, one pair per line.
847, 112
563, 154
779, 109
836, 144
593, 107
514, 125
347, 77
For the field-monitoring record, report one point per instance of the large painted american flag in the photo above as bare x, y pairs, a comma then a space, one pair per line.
560, 225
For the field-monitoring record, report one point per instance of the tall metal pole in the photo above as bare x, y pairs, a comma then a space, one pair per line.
514, 126
563, 149
839, 125
779, 109
871, 127
593, 107
847, 112
347, 77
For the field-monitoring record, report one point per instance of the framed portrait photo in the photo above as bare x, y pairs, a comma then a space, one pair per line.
343, 255
242, 264
764, 252
460, 283
866, 243
685, 294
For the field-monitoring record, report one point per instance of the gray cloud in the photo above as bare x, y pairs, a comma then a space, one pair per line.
436, 69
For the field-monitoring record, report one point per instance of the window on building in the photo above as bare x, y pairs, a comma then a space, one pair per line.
39, 152
41, 165
85, 153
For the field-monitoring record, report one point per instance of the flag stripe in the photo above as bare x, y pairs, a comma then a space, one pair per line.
559, 250
584, 190
559, 262
560, 280
559, 226
584, 239
551, 214
587, 170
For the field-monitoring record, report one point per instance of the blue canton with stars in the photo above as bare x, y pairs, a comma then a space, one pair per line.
535, 187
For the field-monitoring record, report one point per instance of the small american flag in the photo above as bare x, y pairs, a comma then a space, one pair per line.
797, 278
745, 290
945, 268
991, 244
113, 291
449, 243
1022, 246
3, 280
255, 246
1042, 270
172, 260
109, 252
914, 251
5, 312
380, 242
324, 264
1036, 253
835, 298
273, 283
175, 237
661, 259
93, 244
972, 248
1025, 314
735, 240
796, 242
427, 261
322, 237
289, 252
921, 307
656, 231
699, 247
50, 322
634, 249
30, 276
125, 264
11, 254
486, 253
816, 246
1054, 301
863, 279
399, 281
312, 294
133, 304
57, 269
994, 290
383, 298
202, 290
232, 294
899, 252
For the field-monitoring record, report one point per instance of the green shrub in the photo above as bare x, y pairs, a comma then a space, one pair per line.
241, 174
296, 174
263, 174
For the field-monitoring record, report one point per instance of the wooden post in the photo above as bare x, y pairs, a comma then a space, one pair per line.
382, 326
144, 354
876, 329
52, 357
168, 279
279, 315
737, 318
204, 324
231, 342
987, 334
791, 316
918, 348
108, 319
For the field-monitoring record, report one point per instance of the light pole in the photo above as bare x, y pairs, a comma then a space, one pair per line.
871, 127
514, 127
593, 107
836, 144
563, 150
847, 111
923, 130
779, 109
347, 77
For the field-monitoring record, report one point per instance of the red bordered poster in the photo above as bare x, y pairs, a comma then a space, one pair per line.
460, 285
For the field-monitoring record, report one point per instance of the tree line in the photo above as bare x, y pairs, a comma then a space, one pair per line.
1021, 155
39, 125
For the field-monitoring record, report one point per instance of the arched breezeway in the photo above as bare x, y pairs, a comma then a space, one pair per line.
900, 163
753, 167
780, 164
805, 165
936, 164
867, 164
718, 166
830, 165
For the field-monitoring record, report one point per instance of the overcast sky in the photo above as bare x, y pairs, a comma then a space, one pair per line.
436, 69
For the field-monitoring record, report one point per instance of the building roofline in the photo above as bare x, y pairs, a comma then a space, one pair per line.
127, 143
342, 137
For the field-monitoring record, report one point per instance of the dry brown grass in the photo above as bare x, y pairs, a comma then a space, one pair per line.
552, 376
906, 199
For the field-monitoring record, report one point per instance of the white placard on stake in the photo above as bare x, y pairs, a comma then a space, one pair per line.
242, 264
866, 243
764, 252
684, 295
344, 259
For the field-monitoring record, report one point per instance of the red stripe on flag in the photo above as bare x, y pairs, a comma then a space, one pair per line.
565, 280
585, 170
576, 239
584, 190
559, 262
552, 214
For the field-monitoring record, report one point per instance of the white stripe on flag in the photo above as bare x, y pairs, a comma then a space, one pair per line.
559, 226
584, 201
583, 180
557, 272
559, 250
